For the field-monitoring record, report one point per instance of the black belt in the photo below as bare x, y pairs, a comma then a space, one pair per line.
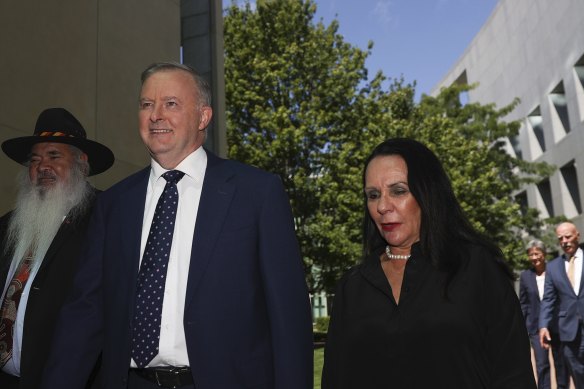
167, 377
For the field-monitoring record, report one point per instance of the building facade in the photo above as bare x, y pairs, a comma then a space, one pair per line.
534, 51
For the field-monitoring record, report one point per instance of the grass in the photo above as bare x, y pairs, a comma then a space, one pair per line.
318, 361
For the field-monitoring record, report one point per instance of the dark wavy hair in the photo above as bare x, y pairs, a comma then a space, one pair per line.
444, 226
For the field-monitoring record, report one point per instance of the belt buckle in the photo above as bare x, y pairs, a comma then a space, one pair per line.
170, 375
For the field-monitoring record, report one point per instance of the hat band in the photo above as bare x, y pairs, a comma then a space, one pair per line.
55, 133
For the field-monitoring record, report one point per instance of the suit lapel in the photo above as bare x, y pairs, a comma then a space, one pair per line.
561, 270
132, 216
216, 196
64, 231
532, 283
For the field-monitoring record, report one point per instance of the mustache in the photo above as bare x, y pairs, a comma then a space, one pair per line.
46, 174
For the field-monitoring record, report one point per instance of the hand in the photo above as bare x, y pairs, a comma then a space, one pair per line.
544, 338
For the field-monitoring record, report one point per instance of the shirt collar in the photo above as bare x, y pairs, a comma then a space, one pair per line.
192, 166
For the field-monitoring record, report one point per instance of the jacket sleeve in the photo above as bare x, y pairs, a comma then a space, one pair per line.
286, 292
548, 302
524, 296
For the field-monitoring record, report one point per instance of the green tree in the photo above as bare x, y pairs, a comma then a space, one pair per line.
300, 104
469, 140
293, 90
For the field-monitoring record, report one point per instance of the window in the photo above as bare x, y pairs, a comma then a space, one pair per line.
560, 120
569, 190
536, 124
521, 199
544, 199
579, 87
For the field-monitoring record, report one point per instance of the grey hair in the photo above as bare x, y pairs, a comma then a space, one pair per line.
535, 243
202, 86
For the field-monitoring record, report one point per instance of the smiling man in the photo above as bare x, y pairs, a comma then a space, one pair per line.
192, 276
41, 239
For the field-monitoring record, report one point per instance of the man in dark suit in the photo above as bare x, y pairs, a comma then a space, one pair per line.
563, 292
41, 239
216, 300
531, 287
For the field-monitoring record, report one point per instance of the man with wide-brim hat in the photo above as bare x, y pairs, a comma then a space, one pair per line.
57, 125
42, 237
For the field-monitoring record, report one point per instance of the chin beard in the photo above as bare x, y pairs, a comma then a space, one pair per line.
39, 212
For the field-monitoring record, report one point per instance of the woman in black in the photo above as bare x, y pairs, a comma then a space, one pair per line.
432, 304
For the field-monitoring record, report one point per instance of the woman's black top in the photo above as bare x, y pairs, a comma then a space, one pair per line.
473, 338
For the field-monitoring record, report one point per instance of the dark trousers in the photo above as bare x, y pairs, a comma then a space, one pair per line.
8, 381
542, 363
137, 382
562, 372
574, 358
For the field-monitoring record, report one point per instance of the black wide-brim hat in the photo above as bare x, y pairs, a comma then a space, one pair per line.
59, 126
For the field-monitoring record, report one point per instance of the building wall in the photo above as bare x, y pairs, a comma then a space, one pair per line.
534, 51
202, 48
87, 56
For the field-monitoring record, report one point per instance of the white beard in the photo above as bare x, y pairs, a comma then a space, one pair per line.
39, 213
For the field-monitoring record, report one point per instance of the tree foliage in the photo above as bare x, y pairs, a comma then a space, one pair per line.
300, 104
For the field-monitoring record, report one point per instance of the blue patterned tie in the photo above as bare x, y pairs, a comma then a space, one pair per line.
152, 276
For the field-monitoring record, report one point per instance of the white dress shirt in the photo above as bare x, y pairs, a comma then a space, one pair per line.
540, 281
172, 348
577, 269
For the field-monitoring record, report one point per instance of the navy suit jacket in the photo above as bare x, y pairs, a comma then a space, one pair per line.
247, 315
530, 303
529, 299
559, 294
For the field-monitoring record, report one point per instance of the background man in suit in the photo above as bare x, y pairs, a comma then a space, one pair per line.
562, 292
234, 307
41, 239
531, 287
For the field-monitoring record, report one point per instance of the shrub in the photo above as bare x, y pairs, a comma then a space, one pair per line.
321, 324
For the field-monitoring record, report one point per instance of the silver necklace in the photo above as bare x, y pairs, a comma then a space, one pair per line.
395, 256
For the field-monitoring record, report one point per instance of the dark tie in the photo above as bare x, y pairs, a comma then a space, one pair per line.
10, 308
152, 276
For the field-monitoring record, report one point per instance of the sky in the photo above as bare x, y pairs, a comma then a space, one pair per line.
417, 39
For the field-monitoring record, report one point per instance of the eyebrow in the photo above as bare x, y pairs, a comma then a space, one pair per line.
389, 186
51, 153
164, 98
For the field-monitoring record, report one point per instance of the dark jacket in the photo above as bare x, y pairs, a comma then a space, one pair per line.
247, 320
559, 297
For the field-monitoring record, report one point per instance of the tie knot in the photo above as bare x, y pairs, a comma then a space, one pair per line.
173, 176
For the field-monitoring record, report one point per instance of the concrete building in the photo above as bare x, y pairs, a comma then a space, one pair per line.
534, 50
87, 56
